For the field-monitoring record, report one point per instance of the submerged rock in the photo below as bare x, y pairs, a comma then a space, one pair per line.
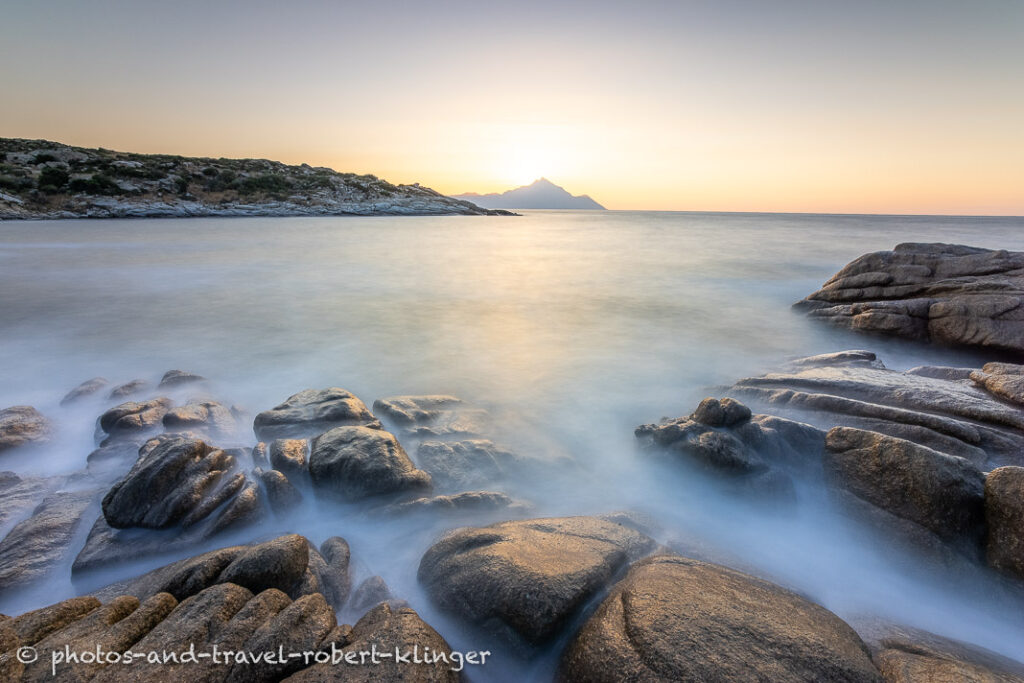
86, 388
676, 619
467, 464
370, 593
312, 412
947, 294
133, 418
751, 454
128, 389
467, 501
23, 425
433, 416
354, 463
18, 495
526, 579
35, 546
1004, 517
281, 493
177, 378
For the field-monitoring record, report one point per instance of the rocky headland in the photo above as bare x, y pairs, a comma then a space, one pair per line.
46, 180
928, 462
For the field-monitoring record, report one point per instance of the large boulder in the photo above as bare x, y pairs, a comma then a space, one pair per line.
133, 417
676, 619
942, 493
526, 579
1004, 517
353, 463
433, 416
22, 425
947, 294
180, 478
312, 412
37, 545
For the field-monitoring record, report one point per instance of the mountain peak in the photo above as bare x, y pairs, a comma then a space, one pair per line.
540, 194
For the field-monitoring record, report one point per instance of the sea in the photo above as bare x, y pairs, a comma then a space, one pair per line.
570, 328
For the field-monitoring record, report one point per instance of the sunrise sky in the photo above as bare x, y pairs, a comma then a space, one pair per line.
894, 106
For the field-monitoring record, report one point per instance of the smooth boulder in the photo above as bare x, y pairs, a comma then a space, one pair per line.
526, 579
676, 619
353, 463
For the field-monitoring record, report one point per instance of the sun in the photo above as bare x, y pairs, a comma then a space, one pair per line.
527, 153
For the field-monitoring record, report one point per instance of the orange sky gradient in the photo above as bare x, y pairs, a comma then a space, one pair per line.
730, 106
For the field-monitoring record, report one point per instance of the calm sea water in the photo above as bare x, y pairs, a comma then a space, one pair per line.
573, 327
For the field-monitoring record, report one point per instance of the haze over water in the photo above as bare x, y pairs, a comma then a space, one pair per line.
572, 328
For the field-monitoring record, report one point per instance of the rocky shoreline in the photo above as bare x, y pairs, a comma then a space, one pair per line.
42, 180
929, 461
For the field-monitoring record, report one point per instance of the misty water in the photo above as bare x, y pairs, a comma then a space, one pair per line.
571, 328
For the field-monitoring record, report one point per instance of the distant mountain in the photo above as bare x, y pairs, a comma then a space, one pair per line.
541, 194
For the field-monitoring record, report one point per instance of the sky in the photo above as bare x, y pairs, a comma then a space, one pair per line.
835, 106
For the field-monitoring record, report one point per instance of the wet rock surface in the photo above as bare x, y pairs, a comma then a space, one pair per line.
312, 412
854, 389
939, 492
210, 417
674, 619
1004, 517
353, 463
947, 294
21, 426
526, 579
1002, 380
180, 479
